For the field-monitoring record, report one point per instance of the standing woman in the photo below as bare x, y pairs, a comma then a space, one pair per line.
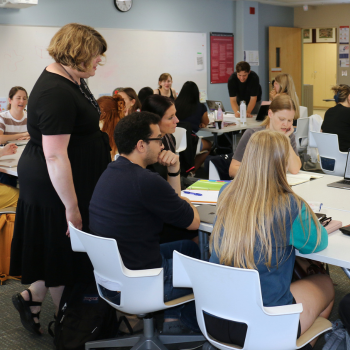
58, 171
132, 102
165, 82
284, 84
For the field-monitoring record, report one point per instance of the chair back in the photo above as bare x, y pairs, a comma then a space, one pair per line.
235, 294
332, 161
213, 172
302, 133
180, 137
141, 291
303, 112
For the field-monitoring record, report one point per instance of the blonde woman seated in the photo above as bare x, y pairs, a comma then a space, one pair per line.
280, 118
284, 85
112, 110
260, 222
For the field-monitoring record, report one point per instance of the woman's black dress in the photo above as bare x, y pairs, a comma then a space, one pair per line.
40, 248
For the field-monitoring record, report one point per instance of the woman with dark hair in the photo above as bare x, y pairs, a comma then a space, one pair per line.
112, 110
337, 118
190, 109
144, 93
132, 102
58, 171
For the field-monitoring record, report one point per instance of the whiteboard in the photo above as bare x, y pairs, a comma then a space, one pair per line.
134, 58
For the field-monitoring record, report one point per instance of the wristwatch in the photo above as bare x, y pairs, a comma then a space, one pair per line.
174, 174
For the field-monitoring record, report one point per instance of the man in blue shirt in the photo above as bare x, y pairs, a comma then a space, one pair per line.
130, 204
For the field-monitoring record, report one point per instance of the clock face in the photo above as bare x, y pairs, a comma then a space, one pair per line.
123, 6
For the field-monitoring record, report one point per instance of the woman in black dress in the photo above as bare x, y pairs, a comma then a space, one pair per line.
58, 171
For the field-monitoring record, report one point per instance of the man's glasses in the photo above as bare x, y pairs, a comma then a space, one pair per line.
155, 139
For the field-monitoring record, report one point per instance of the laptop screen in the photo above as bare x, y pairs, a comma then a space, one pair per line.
347, 168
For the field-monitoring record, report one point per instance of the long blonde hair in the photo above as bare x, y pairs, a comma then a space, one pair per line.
287, 87
257, 197
280, 103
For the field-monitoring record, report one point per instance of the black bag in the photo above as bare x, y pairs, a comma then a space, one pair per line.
82, 317
222, 163
344, 311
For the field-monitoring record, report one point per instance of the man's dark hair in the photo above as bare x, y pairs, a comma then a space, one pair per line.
133, 128
157, 104
242, 66
144, 93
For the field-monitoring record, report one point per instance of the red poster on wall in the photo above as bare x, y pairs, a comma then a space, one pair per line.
221, 57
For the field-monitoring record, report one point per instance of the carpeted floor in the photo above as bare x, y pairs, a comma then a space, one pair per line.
14, 337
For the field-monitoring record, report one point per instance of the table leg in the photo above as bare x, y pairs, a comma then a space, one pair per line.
203, 238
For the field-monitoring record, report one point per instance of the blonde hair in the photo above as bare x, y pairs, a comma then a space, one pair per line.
287, 87
75, 44
341, 92
257, 197
279, 103
164, 76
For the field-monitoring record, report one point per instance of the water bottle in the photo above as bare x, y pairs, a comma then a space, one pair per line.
243, 112
220, 115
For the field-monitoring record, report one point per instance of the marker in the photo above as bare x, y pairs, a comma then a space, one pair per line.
195, 194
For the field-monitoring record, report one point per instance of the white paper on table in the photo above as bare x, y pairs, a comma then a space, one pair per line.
206, 196
301, 178
230, 118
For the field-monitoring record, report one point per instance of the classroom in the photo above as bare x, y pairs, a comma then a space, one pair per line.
134, 58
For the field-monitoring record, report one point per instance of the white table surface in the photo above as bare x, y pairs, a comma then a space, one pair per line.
336, 203
16, 156
251, 123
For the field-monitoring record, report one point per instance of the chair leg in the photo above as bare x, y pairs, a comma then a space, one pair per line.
125, 341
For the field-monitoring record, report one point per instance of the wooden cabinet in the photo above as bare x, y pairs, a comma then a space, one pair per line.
320, 70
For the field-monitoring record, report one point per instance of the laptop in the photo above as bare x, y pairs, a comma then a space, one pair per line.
214, 105
263, 111
207, 213
345, 183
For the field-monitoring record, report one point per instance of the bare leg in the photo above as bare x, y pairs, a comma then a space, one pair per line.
316, 293
200, 158
56, 293
38, 291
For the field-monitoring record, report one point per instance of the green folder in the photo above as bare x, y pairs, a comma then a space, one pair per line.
211, 185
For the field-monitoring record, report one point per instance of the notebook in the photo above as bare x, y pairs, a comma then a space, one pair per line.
207, 213
301, 178
345, 183
200, 196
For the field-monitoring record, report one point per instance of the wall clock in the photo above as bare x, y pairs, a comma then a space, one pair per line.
123, 6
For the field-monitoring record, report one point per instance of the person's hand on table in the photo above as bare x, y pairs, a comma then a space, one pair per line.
237, 114
249, 115
10, 148
24, 138
202, 125
73, 215
169, 159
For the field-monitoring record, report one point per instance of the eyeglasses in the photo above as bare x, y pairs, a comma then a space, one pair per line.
155, 139
325, 221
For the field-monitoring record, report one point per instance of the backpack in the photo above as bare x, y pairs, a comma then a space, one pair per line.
82, 317
338, 338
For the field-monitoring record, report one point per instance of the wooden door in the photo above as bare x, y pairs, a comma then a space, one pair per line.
285, 54
319, 74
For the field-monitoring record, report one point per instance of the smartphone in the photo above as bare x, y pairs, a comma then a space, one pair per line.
320, 216
345, 230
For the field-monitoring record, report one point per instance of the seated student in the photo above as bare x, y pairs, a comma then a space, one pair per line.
112, 110
131, 204
337, 118
280, 118
260, 222
189, 109
144, 93
13, 122
165, 82
132, 103
284, 84
8, 194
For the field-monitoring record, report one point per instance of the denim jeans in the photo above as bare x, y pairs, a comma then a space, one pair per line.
185, 312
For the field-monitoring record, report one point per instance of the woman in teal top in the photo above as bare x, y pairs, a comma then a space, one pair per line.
276, 221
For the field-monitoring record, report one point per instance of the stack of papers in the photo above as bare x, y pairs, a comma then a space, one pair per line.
209, 185
201, 196
301, 178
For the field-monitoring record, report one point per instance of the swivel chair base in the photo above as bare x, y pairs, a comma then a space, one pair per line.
149, 340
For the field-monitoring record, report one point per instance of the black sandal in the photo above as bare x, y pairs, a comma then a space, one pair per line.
27, 317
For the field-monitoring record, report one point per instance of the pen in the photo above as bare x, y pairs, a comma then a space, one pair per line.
195, 194
320, 206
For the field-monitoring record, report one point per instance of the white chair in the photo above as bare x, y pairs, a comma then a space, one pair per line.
235, 294
302, 133
328, 148
141, 292
181, 140
213, 172
303, 112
